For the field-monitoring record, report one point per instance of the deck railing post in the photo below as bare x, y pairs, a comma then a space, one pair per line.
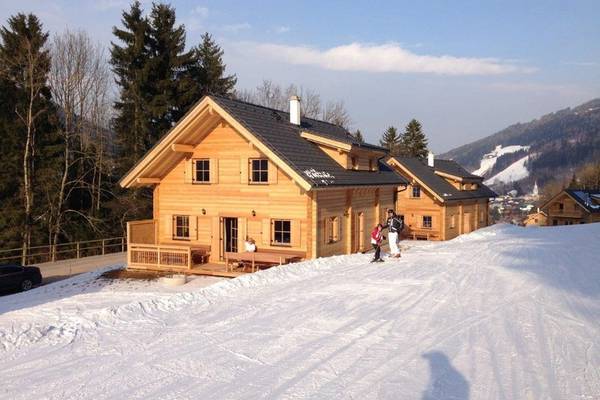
103, 246
78, 248
122, 244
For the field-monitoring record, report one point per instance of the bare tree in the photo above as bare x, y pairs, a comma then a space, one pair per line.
270, 94
79, 81
336, 113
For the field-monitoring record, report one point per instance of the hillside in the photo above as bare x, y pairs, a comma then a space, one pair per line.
502, 313
554, 145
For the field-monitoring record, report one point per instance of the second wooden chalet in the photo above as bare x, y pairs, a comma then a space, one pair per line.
442, 200
573, 206
230, 170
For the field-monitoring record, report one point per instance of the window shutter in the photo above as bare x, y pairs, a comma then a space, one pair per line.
272, 173
244, 168
214, 170
167, 228
193, 227
266, 232
188, 172
326, 230
296, 234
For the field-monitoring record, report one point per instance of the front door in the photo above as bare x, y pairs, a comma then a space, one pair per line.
358, 232
467, 222
230, 235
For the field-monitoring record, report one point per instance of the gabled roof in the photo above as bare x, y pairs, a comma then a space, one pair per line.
588, 199
453, 168
441, 188
272, 131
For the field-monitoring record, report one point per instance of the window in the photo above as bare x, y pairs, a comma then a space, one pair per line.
370, 164
181, 227
259, 170
354, 161
333, 229
416, 192
202, 171
561, 206
282, 232
554, 222
427, 221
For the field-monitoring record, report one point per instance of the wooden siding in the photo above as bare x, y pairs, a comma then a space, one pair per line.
359, 210
230, 195
571, 212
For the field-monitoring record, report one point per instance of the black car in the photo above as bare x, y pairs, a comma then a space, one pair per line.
17, 277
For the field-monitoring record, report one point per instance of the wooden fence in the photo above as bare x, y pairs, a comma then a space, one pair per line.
64, 251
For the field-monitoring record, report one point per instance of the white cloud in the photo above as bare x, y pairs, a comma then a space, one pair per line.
236, 27
389, 57
282, 29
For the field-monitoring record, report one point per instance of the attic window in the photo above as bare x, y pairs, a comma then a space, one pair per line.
259, 172
416, 192
202, 171
354, 161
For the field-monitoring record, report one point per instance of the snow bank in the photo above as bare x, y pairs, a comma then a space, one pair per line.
503, 312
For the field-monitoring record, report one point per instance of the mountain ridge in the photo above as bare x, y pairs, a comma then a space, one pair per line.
557, 143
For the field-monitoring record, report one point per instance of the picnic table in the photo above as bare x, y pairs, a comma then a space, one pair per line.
262, 258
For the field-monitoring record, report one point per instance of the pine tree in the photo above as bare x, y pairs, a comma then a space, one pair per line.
130, 64
208, 71
414, 142
24, 68
168, 66
358, 136
391, 140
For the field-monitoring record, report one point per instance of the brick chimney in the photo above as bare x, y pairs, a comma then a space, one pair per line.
295, 110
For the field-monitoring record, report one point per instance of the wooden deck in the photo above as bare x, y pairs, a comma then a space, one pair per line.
209, 269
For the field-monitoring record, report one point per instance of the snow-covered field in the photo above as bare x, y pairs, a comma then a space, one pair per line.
502, 313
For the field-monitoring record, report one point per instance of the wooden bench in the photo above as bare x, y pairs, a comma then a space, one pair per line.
200, 253
264, 258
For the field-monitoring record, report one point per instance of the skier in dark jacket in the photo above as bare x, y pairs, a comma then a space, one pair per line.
394, 224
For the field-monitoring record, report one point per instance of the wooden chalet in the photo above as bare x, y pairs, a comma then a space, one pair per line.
442, 200
538, 218
299, 187
573, 206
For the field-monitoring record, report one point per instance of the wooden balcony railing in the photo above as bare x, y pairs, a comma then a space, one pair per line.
159, 256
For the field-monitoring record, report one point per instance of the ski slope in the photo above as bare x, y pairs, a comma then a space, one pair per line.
489, 160
514, 172
502, 313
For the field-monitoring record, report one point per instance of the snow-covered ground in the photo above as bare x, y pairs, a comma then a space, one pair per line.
514, 172
502, 313
489, 160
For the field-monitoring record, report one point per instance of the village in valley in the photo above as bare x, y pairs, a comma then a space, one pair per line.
194, 207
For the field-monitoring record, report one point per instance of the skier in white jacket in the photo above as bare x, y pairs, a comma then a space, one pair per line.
394, 224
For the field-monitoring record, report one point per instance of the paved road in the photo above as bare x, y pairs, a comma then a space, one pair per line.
53, 271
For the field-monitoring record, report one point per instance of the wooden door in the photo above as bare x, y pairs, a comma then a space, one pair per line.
358, 232
229, 235
467, 222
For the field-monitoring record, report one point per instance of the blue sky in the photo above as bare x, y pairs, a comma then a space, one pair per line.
464, 69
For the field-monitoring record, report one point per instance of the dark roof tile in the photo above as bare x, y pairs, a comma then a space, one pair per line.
273, 129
